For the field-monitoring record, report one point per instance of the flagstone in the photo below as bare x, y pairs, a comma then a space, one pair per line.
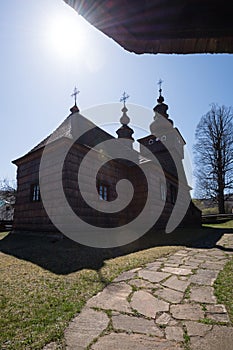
121, 341
170, 295
88, 325
196, 328
177, 271
141, 283
153, 276
174, 333
203, 294
219, 338
187, 312
174, 283
148, 305
204, 277
113, 297
136, 325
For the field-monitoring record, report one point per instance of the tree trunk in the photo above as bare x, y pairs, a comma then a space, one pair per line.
221, 180
221, 202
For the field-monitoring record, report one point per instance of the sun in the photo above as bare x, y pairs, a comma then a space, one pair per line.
67, 35
70, 39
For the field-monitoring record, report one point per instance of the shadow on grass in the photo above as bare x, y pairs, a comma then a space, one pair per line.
63, 256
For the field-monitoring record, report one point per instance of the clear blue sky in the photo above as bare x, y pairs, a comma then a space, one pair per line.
47, 49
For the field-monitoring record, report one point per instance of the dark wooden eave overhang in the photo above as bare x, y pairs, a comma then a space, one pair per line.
163, 26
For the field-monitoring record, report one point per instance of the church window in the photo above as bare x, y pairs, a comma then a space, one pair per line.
35, 193
150, 142
173, 193
163, 191
103, 191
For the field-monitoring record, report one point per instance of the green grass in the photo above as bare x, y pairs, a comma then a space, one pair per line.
224, 225
187, 293
224, 282
207, 321
45, 283
208, 211
224, 288
37, 304
3, 234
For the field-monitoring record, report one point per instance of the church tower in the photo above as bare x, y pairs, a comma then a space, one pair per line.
164, 138
125, 132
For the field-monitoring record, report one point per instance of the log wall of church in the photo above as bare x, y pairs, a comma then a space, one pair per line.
31, 216
108, 175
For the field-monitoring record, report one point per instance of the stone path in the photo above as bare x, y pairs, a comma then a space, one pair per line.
168, 304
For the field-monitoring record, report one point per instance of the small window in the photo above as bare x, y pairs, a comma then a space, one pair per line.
150, 142
35, 193
163, 191
103, 192
173, 193
164, 138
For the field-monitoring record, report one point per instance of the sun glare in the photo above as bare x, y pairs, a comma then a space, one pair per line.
70, 39
67, 36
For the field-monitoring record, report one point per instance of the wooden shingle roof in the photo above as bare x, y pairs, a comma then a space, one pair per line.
63, 130
163, 26
67, 130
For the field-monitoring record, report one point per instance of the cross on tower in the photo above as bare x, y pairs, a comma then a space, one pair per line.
124, 98
75, 93
160, 85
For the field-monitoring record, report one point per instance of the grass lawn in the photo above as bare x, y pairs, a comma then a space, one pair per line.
3, 234
224, 282
41, 291
44, 283
224, 288
224, 225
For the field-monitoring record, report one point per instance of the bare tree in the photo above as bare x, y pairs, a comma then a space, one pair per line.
8, 191
214, 154
7, 199
7, 188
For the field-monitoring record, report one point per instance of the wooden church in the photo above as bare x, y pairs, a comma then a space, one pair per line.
164, 177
